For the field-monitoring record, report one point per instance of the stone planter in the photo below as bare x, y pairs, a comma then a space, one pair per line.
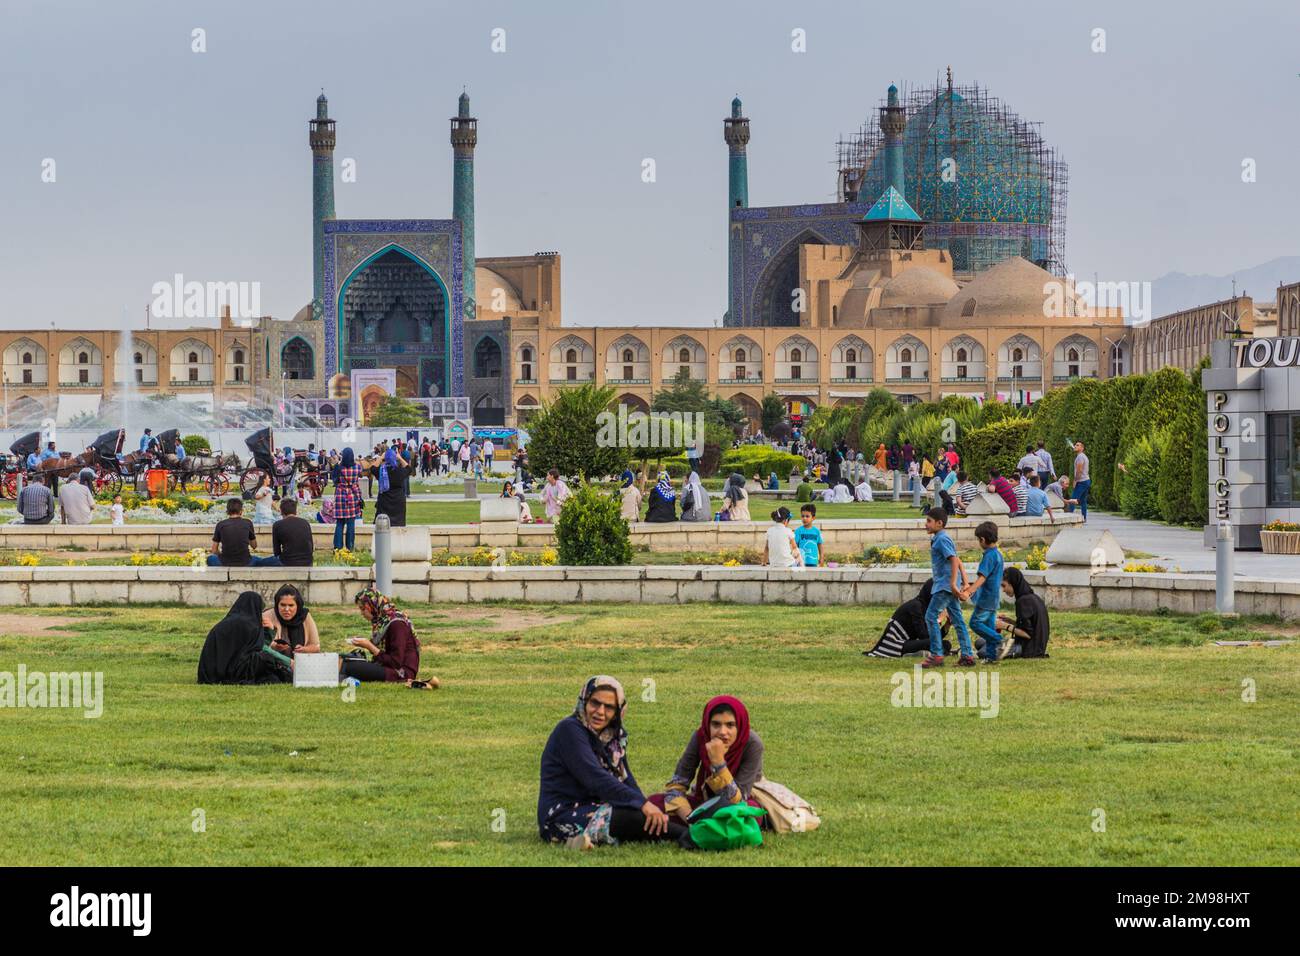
1280, 542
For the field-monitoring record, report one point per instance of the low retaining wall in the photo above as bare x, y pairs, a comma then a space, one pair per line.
840, 535
417, 582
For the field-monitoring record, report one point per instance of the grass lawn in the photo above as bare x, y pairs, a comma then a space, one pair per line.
1137, 715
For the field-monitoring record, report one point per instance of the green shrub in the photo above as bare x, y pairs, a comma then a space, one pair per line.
999, 445
1140, 491
1163, 393
591, 529
563, 435
196, 445
1109, 411
1178, 478
760, 459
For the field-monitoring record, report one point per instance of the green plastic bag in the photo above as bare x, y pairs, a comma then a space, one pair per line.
729, 828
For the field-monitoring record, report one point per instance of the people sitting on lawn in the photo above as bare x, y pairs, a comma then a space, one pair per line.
234, 541
905, 632
735, 500
587, 795
292, 625
779, 549
662, 498
863, 492
695, 500
963, 492
723, 758
1036, 502
1031, 627
393, 645
236, 649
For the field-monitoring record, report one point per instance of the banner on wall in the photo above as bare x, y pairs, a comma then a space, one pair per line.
369, 387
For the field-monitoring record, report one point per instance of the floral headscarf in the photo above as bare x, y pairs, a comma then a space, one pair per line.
627, 477
665, 487
385, 613
613, 737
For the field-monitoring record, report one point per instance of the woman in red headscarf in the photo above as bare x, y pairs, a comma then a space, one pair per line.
723, 756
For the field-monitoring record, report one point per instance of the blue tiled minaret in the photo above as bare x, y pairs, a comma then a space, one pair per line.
892, 123
735, 130
321, 137
464, 137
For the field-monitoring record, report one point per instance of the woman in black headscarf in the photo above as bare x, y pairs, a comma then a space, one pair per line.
1031, 627
906, 633
235, 651
294, 627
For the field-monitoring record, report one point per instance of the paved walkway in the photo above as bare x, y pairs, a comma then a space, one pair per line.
1184, 548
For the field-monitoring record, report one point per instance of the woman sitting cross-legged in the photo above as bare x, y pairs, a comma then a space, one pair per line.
906, 633
235, 651
722, 755
294, 628
394, 648
588, 795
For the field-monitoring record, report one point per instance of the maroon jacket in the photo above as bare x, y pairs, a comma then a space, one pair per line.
400, 656
1001, 487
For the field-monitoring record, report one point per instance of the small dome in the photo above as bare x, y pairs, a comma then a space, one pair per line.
486, 284
735, 107
462, 105
918, 286
303, 314
1013, 288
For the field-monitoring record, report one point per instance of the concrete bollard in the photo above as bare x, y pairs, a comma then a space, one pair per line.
1225, 596
471, 488
383, 548
916, 493
898, 485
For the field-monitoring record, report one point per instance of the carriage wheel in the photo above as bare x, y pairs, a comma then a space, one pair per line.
217, 484
9, 486
251, 480
115, 484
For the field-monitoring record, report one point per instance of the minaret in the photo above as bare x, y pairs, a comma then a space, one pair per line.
892, 123
321, 137
735, 130
464, 137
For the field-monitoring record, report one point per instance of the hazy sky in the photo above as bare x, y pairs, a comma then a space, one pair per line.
173, 161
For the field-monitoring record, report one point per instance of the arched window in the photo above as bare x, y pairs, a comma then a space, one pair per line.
738, 356
968, 308
139, 358
487, 358
83, 358
27, 358
684, 356
193, 358
905, 356
628, 355
796, 355
239, 356
297, 360
571, 356
851, 356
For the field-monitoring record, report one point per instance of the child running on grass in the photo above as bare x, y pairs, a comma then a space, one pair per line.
809, 538
987, 589
949, 579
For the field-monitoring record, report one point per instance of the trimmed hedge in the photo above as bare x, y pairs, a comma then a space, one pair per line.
999, 445
1140, 492
591, 529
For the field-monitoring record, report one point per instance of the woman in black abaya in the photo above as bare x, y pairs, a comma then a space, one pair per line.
234, 650
1031, 627
905, 633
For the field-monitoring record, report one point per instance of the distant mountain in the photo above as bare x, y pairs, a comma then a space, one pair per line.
1177, 290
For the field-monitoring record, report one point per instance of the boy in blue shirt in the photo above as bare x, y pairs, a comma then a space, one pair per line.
1036, 500
809, 539
947, 571
987, 589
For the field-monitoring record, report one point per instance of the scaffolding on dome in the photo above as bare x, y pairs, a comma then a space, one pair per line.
1004, 193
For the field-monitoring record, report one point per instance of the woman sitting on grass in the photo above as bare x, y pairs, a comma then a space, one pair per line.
662, 497
235, 649
394, 648
735, 500
294, 628
905, 633
723, 756
695, 500
1031, 627
588, 796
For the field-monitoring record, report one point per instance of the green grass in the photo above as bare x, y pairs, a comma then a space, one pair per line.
1138, 715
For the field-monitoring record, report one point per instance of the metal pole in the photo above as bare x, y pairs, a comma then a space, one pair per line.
1225, 597
916, 492
383, 548
898, 485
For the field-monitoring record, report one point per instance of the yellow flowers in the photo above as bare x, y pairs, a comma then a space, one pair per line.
1036, 560
156, 559
484, 557
727, 557
893, 554
1136, 567
549, 556
28, 560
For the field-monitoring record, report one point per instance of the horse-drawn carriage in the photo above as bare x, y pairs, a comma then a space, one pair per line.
265, 462
65, 466
214, 471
